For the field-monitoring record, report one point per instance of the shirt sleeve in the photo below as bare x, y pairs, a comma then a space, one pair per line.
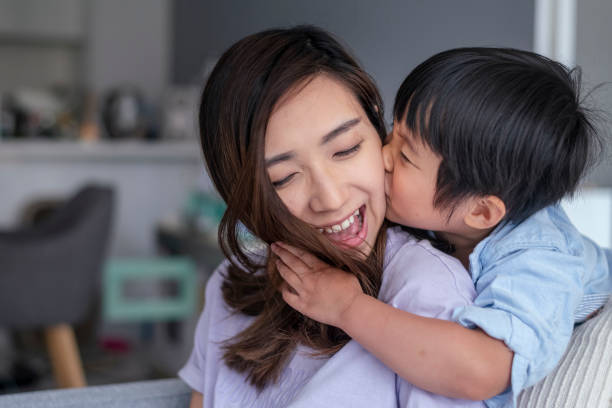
194, 369
427, 282
527, 298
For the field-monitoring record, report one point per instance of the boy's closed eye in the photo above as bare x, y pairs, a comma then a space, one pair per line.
406, 159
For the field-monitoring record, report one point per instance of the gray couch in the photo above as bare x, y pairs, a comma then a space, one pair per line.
582, 379
170, 393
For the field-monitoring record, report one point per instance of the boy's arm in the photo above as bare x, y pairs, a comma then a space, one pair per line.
527, 297
436, 355
439, 356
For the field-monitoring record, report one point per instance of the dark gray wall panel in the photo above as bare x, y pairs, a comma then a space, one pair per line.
388, 37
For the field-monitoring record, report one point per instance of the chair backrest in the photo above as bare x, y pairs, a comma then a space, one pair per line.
50, 273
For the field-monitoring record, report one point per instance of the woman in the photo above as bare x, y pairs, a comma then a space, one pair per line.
292, 131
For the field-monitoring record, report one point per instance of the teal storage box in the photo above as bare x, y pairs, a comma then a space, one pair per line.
178, 273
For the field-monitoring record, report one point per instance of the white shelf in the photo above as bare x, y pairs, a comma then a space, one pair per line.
101, 151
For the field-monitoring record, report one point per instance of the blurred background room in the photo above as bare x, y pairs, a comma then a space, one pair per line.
107, 217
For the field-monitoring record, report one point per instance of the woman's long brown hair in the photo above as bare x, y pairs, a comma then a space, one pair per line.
237, 101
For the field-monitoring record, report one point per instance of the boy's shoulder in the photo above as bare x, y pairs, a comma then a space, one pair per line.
549, 228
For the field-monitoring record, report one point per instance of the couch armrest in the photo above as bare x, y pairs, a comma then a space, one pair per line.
169, 393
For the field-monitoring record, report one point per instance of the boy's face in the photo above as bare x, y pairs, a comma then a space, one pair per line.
410, 182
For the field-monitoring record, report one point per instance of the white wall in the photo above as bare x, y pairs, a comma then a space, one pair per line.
128, 42
104, 43
57, 18
99, 43
40, 43
150, 182
594, 55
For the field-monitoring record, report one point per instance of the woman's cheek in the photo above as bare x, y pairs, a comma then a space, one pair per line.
294, 200
374, 168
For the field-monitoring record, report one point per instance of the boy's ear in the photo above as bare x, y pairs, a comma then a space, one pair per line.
485, 212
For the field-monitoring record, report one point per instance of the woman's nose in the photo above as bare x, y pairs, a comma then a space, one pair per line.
387, 158
329, 194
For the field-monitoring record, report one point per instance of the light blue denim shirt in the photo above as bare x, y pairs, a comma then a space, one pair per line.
534, 281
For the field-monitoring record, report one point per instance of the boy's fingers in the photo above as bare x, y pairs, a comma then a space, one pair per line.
311, 260
290, 296
291, 248
290, 277
285, 287
302, 255
290, 259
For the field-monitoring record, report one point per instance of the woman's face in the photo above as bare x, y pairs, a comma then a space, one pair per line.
324, 158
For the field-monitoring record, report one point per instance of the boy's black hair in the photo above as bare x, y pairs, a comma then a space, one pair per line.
505, 122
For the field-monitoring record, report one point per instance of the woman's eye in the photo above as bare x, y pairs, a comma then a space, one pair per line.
282, 182
347, 152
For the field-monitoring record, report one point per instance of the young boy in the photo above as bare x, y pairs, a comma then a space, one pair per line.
485, 144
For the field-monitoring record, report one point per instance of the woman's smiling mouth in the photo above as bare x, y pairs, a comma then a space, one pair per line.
351, 232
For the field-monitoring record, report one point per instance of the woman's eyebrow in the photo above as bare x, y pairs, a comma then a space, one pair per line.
339, 130
279, 158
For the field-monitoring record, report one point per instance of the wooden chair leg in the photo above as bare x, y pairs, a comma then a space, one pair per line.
64, 355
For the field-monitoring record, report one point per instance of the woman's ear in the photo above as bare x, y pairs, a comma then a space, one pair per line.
485, 212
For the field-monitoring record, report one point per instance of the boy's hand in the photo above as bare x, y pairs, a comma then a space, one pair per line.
314, 288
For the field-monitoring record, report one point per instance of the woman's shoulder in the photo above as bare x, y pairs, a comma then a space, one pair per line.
213, 292
220, 314
219, 275
401, 245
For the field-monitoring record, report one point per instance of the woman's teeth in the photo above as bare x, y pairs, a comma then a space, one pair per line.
343, 225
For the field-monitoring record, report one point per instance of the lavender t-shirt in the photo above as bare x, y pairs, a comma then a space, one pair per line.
417, 278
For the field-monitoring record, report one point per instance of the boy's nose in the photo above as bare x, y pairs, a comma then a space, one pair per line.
387, 158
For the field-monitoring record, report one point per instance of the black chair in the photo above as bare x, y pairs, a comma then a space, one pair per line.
50, 275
